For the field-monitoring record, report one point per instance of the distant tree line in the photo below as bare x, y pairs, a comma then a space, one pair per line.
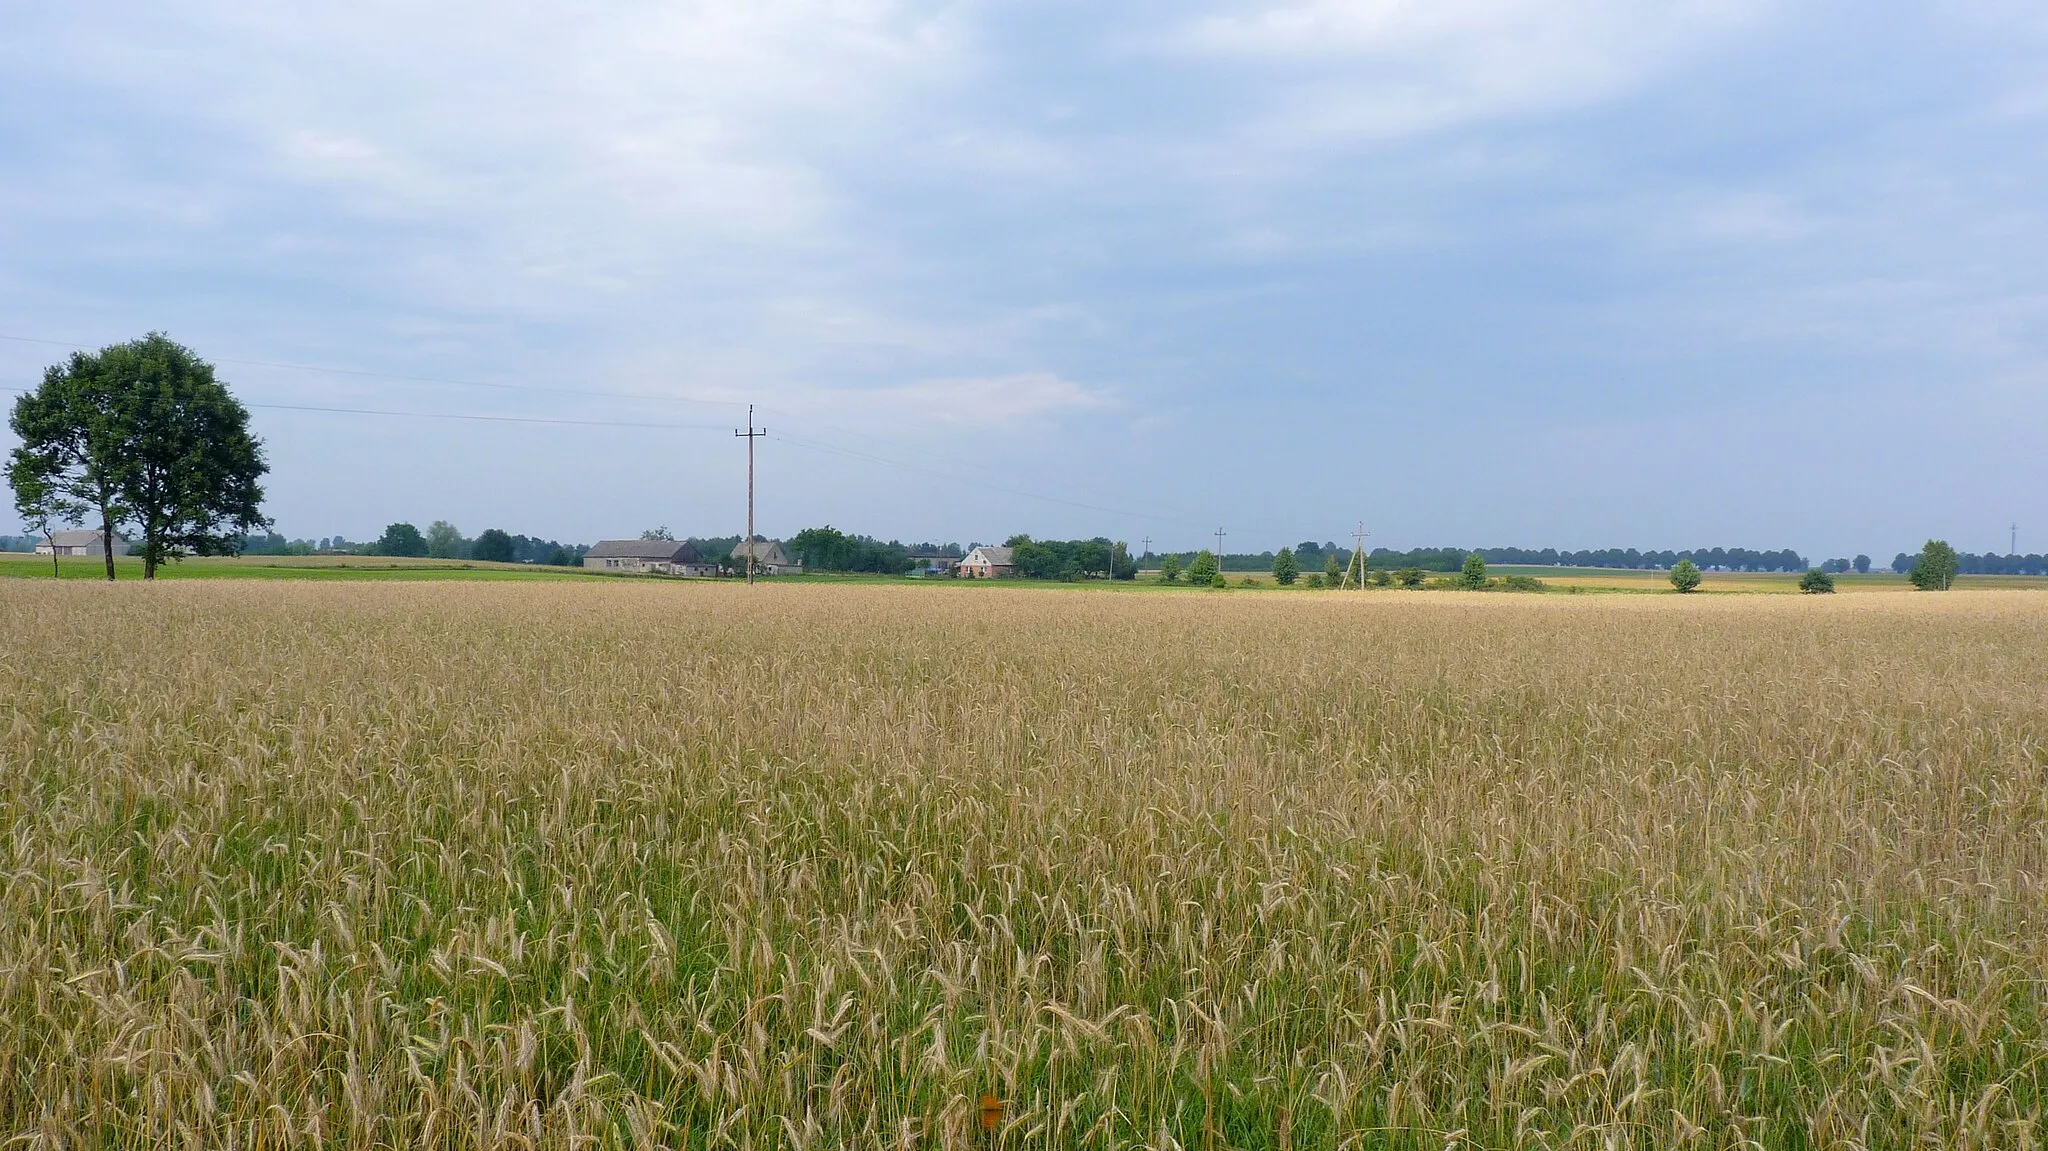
1098, 558
1990, 563
1312, 556
827, 549
441, 540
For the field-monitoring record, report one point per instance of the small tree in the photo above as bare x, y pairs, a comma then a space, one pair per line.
1333, 572
1685, 576
1935, 569
1411, 577
1314, 580
660, 533
39, 506
494, 546
1204, 570
1862, 564
400, 539
1169, 568
1473, 574
1817, 582
1285, 569
1383, 578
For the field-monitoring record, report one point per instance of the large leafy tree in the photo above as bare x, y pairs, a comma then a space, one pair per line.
444, 540
494, 545
400, 539
1935, 569
141, 435
1685, 575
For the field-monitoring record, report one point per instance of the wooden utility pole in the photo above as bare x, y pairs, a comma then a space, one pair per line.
751, 435
1357, 563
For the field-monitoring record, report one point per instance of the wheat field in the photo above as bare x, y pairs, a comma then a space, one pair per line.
526, 866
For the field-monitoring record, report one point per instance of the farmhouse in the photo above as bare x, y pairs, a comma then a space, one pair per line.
988, 562
664, 557
79, 542
770, 558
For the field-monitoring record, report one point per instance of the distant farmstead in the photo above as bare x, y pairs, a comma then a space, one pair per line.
79, 542
988, 563
770, 558
658, 557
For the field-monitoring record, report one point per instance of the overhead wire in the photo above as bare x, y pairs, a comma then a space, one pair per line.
956, 476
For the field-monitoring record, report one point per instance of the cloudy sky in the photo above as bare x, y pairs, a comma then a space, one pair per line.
1572, 273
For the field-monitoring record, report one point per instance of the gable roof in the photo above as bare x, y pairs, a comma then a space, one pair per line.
653, 551
81, 537
998, 557
765, 552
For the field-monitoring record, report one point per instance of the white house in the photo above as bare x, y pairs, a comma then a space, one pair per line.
988, 562
79, 542
770, 558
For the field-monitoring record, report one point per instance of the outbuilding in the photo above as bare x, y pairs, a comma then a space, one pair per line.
79, 542
659, 557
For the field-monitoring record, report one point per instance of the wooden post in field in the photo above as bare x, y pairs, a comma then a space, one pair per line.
751, 435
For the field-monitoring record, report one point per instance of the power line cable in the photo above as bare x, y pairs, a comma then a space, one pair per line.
365, 374
541, 388
464, 416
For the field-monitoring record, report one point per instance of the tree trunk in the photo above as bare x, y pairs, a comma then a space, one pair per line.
53, 554
107, 542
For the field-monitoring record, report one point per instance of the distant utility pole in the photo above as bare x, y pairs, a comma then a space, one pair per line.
2013, 547
1148, 547
1357, 563
1220, 533
751, 435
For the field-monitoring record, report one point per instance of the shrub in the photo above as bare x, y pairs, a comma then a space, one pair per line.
1286, 569
1817, 582
1314, 580
1383, 578
1169, 569
1217, 581
1411, 577
1204, 569
1685, 576
1520, 583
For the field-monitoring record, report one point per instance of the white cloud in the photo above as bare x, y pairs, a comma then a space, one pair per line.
989, 400
1390, 67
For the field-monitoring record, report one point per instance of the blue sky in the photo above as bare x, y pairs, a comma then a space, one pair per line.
1577, 273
